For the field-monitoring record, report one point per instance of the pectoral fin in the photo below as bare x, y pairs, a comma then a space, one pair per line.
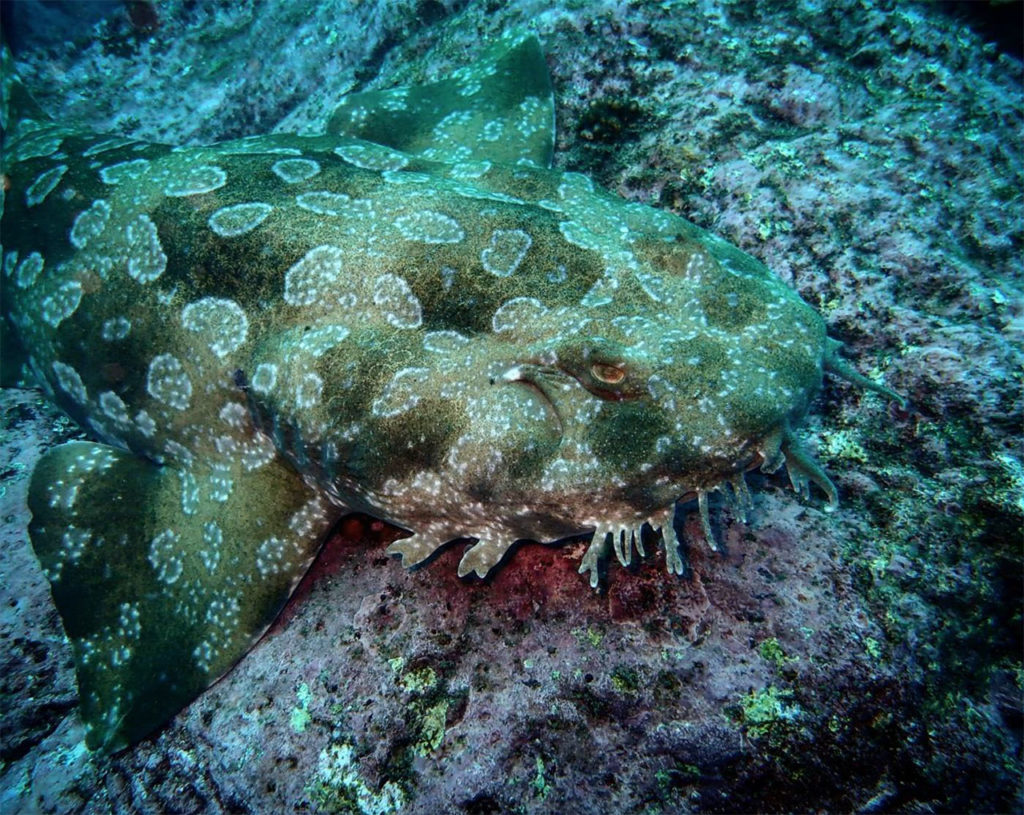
165, 575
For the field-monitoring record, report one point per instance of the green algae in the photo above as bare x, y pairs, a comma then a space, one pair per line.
300, 717
431, 725
540, 785
426, 713
419, 680
768, 712
771, 651
842, 444
338, 787
625, 679
591, 636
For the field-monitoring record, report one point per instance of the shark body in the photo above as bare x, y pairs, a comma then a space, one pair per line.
410, 316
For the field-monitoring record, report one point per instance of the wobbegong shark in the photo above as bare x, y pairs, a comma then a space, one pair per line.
410, 315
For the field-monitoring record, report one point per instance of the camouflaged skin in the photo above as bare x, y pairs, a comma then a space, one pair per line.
410, 316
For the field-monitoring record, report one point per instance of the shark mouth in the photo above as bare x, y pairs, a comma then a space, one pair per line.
621, 538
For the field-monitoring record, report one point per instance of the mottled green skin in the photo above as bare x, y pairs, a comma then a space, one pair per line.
264, 334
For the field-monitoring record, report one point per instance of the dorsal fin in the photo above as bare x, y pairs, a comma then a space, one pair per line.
500, 108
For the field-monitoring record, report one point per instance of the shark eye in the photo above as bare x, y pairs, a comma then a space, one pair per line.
609, 374
604, 367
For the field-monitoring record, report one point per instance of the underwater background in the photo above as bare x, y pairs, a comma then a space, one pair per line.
866, 660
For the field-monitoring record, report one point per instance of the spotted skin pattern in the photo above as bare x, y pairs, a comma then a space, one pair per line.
411, 316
